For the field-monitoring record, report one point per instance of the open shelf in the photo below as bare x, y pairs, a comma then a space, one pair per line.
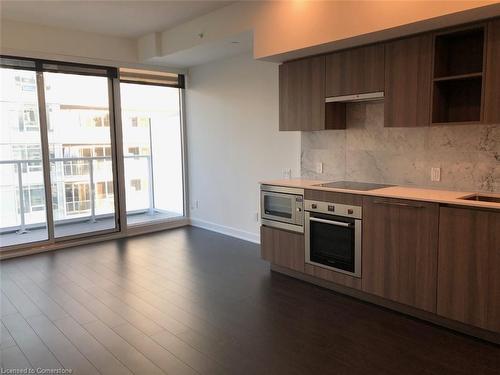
457, 101
459, 52
458, 76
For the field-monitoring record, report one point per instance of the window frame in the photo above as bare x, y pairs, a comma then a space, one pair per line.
114, 121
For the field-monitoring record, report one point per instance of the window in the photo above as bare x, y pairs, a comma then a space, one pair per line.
30, 119
99, 151
25, 83
77, 198
140, 122
133, 150
152, 147
78, 157
28, 152
101, 121
98, 122
136, 184
80, 132
76, 168
34, 198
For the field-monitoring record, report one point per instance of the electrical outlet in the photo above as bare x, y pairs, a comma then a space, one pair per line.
435, 174
319, 167
287, 173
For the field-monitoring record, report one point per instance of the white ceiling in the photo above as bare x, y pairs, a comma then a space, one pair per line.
122, 18
208, 52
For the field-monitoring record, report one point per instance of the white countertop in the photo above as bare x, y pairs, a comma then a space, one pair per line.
400, 192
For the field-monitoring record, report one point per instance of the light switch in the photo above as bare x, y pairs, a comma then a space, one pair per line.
319, 167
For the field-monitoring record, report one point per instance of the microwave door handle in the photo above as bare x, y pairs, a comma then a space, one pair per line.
332, 222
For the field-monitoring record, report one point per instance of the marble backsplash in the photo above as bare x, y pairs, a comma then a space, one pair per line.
468, 155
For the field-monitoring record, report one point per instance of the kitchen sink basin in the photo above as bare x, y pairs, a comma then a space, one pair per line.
482, 198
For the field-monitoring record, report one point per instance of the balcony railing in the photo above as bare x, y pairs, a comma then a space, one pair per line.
23, 227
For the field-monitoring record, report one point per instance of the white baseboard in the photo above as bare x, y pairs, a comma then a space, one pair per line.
228, 231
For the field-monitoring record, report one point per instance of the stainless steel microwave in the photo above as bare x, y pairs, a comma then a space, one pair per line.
282, 207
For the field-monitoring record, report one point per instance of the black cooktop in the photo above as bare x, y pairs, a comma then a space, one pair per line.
353, 185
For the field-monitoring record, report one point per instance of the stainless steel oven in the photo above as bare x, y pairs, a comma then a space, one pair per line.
282, 207
333, 236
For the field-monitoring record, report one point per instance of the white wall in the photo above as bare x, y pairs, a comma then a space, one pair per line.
51, 43
233, 142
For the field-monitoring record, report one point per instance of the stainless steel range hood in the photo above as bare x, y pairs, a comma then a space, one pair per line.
379, 95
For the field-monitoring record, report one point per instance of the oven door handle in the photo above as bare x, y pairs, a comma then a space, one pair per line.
332, 222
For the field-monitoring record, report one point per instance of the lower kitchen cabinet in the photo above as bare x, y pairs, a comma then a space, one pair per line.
284, 248
469, 267
400, 243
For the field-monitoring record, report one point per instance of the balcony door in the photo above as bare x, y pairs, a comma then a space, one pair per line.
57, 164
80, 153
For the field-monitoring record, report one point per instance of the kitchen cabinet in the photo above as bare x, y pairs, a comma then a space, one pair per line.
408, 64
399, 260
355, 71
283, 248
492, 82
302, 94
469, 267
458, 75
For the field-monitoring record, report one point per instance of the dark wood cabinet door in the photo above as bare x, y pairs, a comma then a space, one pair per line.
469, 267
283, 248
408, 76
302, 94
355, 71
492, 81
399, 257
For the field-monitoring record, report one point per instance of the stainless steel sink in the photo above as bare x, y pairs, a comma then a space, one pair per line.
482, 198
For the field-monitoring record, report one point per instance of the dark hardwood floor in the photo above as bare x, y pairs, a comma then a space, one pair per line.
190, 301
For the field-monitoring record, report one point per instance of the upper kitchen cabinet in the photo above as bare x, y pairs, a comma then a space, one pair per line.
492, 87
408, 75
458, 76
302, 94
355, 71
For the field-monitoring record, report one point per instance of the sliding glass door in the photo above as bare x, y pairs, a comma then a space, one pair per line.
57, 164
22, 189
67, 170
152, 149
81, 163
